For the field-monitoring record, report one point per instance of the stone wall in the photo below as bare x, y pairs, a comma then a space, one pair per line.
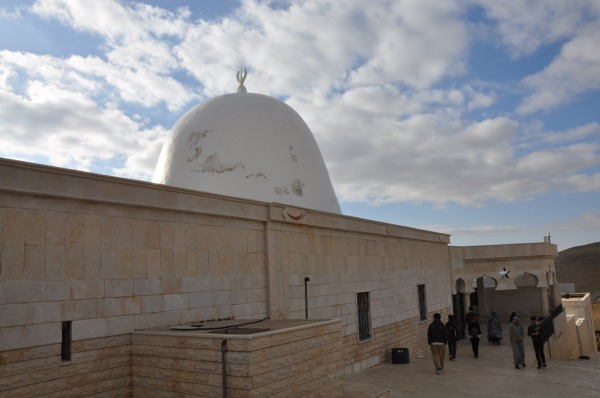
109, 274
387, 264
112, 255
563, 343
295, 362
580, 306
98, 368
411, 334
525, 301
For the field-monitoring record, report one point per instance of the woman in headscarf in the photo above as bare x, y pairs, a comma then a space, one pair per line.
494, 329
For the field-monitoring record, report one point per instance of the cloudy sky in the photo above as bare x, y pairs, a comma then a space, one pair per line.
476, 118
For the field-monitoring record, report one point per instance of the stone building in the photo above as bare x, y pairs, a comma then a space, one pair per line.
115, 287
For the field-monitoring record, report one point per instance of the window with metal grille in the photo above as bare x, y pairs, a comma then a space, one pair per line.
422, 303
363, 306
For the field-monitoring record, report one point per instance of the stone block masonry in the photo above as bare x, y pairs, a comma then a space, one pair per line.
304, 359
98, 368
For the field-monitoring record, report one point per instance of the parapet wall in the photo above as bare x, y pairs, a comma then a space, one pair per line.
299, 361
579, 305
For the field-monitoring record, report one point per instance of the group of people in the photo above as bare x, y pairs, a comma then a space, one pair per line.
440, 334
516, 331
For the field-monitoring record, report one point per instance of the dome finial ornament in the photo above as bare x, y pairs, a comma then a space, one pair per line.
240, 77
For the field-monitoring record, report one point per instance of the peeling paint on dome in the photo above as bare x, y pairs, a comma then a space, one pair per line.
248, 146
212, 164
193, 144
258, 175
298, 187
293, 156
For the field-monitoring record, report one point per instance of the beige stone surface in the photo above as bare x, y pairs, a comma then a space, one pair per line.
301, 360
99, 368
491, 375
112, 255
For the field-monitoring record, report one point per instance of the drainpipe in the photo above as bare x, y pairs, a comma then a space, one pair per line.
224, 364
306, 280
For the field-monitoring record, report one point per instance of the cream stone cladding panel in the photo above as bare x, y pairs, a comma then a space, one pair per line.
98, 367
298, 361
112, 255
345, 256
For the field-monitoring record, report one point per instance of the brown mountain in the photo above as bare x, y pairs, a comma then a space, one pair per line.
580, 265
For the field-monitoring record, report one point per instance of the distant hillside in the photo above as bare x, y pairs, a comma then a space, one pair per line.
580, 265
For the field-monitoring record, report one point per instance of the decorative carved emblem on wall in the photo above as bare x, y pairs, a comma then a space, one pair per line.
504, 273
293, 214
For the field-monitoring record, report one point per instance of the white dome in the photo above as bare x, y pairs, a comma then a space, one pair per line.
249, 146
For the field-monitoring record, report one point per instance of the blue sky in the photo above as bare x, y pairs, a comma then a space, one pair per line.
475, 118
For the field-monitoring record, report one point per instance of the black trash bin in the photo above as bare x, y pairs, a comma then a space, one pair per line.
400, 355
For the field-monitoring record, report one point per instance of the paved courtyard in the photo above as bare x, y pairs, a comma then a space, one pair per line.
492, 375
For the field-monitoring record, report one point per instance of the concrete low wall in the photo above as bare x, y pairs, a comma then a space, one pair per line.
563, 343
580, 306
296, 362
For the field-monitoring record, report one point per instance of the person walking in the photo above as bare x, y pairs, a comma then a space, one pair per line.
474, 333
452, 334
516, 331
470, 316
534, 332
437, 338
494, 329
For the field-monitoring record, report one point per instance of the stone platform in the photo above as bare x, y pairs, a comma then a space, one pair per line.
491, 375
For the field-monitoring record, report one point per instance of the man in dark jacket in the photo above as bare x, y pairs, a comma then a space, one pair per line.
437, 338
452, 334
533, 331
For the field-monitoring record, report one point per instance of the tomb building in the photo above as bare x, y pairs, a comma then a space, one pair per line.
233, 274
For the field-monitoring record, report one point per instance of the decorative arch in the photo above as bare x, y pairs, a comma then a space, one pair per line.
488, 281
526, 279
460, 286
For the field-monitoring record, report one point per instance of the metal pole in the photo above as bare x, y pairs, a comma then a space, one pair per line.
306, 296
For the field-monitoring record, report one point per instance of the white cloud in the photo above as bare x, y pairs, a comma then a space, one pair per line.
561, 161
584, 221
314, 47
374, 83
68, 129
477, 230
574, 134
526, 25
584, 182
115, 21
139, 57
573, 72
478, 99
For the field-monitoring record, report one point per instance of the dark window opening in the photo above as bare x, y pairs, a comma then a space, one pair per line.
422, 303
65, 346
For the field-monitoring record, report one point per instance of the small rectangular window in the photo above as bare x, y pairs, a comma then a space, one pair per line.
422, 303
65, 346
363, 306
